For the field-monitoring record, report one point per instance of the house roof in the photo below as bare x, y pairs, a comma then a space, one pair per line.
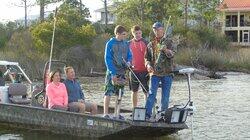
235, 5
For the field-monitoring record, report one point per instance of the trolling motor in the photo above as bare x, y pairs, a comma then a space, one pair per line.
189, 105
179, 113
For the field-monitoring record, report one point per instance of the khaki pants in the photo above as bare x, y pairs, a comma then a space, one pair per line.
82, 107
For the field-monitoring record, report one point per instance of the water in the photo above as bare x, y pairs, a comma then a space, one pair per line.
222, 108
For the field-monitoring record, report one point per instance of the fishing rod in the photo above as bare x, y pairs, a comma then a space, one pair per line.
119, 98
130, 69
52, 41
46, 72
166, 30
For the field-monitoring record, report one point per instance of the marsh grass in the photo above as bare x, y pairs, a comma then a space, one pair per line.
232, 59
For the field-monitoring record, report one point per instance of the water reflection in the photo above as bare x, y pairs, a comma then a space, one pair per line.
37, 135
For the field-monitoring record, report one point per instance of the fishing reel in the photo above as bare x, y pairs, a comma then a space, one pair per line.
120, 81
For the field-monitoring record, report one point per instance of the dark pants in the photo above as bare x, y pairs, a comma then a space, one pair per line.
134, 83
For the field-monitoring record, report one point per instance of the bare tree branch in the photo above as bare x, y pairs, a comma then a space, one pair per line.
24, 4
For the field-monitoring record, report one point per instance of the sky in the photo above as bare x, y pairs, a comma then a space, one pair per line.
10, 11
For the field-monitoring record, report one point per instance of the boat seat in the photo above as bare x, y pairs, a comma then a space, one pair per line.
18, 93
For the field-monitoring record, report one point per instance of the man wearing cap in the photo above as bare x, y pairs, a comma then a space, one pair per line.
159, 62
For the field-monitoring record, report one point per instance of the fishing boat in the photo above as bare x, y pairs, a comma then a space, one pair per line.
20, 110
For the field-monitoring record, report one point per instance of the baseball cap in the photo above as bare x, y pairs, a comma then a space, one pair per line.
157, 25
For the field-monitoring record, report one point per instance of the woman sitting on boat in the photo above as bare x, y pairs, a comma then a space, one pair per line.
56, 92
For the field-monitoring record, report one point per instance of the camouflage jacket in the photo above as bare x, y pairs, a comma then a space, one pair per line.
157, 58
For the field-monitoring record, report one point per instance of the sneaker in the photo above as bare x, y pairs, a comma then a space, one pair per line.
106, 116
147, 118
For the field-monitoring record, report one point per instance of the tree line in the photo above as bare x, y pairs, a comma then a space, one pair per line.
81, 43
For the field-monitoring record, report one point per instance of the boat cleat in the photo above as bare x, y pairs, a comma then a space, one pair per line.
120, 117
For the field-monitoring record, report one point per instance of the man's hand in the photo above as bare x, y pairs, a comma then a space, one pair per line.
81, 100
150, 68
114, 79
169, 53
129, 65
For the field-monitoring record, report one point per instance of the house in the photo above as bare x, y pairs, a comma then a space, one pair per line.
100, 14
236, 21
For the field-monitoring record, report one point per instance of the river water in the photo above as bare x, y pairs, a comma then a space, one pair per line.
222, 108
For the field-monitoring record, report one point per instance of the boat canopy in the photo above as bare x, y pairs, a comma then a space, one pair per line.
8, 63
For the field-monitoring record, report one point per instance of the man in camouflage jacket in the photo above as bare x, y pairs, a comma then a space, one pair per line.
159, 63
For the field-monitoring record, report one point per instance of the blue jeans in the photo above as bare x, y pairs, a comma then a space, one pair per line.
166, 82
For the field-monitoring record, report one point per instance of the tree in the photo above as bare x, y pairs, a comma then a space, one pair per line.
71, 29
20, 48
25, 9
146, 12
25, 4
82, 9
186, 13
3, 37
6, 31
42, 4
106, 13
105, 5
204, 10
74, 12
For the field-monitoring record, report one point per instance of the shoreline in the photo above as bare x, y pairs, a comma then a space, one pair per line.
176, 76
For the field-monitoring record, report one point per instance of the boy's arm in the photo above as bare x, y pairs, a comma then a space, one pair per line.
129, 55
109, 58
81, 93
